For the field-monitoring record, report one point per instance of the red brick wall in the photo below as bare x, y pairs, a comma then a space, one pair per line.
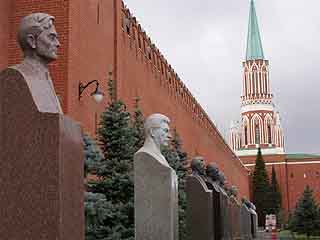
137, 75
5, 9
91, 53
280, 173
290, 176
92, 39
60, 10
297, 181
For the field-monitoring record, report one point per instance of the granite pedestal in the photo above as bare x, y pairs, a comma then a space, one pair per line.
41, 167
156, 198
199, 209
245, 221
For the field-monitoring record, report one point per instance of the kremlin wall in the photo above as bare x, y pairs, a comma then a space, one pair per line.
98, 36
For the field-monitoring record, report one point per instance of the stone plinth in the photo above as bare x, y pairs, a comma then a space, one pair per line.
245, 221
235, 219
199, 209
216, 208
254, 222
224, 209
156, 198
41, 167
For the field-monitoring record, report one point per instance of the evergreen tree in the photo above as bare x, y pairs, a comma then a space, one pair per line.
177, 159
93, 202
261, 189
275, 195
93, 155
117, 139
138, 125
305, 219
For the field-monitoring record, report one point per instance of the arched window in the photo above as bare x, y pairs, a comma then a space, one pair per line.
269, 134
245, 135
257, 133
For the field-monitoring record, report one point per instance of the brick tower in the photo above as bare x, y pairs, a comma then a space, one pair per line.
260, 123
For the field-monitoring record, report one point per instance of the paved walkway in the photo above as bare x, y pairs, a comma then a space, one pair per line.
265, 236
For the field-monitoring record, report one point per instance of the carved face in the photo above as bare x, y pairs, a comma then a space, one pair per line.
47, 44
161, 135
213, 171
197, 166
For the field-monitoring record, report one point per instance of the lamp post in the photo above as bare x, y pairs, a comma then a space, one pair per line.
97, 94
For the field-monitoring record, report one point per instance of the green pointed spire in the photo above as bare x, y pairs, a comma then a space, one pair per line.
254, 45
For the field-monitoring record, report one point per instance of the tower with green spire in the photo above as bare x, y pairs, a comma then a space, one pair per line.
260, 124
254, 45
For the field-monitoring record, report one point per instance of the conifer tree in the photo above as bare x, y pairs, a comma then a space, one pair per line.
138, 125
305, 218
177, 159
94, 213
117, 140
275, 195
261, 188
93, 155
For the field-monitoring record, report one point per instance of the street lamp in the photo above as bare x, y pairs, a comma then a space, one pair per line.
97, 94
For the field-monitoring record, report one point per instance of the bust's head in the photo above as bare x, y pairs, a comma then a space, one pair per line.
197, 166
234, 191
38, 38
213, 171
156, 127
221, 179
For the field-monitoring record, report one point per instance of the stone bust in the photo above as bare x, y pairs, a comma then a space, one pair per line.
197, 166
213, 172
221, 179
155, 184
157, 134
233, 191
39, 42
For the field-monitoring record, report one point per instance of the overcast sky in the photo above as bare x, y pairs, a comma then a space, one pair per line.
205, 40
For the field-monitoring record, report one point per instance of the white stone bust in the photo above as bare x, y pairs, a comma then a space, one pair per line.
39, 42
155, 185
157, 134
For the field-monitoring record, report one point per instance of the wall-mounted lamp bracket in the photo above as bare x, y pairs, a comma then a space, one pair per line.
96, 93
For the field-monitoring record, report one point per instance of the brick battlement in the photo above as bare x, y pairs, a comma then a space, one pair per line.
139, 41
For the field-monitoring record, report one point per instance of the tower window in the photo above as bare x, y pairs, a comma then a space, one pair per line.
269, 134
257, 133
246, 135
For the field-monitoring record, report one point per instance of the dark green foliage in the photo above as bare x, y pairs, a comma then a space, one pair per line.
93, 155
275, 195
138, 125
103, 217
305, 219
117, 139
261, 189
95, 214
177, 159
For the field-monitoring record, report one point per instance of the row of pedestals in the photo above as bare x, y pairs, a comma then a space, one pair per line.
213, 215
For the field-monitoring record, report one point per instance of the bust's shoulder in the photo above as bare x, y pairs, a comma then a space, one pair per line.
11, 72
24, 68
144, 151
147, 154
